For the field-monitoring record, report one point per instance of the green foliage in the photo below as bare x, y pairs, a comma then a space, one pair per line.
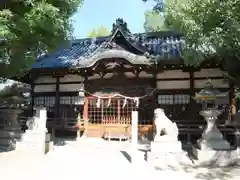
29, 28
211, 30
101, 31
154, 21
210, 27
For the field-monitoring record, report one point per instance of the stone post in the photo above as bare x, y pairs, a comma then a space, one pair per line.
134, 136
85, 132
78, 135
237, 135
79, 126
41, 115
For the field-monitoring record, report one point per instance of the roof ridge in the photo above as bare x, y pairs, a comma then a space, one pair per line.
147, 34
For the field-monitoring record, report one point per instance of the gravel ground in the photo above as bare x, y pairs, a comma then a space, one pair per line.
101, 160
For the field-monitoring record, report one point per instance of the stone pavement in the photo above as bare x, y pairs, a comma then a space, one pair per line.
101, 161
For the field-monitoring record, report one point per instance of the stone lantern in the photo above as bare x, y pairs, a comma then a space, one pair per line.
11, 131
212, 138
211, 148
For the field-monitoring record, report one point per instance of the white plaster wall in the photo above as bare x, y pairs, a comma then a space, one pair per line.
217, 83
71, 78
63, 87
173, 74
184, 84
45, 88
71, 87
45, 79
209, 73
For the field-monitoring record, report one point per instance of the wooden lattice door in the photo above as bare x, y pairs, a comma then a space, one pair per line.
109, 112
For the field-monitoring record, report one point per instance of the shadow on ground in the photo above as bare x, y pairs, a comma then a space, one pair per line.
201, 171
127, 156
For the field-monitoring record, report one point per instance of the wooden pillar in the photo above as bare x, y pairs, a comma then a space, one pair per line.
32, 99
155, 96
85, 108
134, 137
57, 110
192, 103
118, 110
192, 88
232, 104
155, 105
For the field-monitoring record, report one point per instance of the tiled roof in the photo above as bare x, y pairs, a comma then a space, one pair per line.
165, 45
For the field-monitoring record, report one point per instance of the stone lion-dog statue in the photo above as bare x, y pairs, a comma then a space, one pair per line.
165, 129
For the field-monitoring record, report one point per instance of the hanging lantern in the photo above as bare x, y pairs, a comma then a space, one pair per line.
136, 101
124, 103
109, 102
98, 102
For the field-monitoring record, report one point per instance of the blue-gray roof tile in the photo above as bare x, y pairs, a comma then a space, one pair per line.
165, 46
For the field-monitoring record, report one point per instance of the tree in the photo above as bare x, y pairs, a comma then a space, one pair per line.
159, 6
29, 28
155, 18
154, 21
210, 28
101, 31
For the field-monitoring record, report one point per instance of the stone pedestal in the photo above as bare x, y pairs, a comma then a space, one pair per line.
213, 144
212, 138
167, 154
212, 149
33, 141
166, 147
219, 158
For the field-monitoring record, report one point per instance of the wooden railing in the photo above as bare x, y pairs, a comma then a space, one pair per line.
116, 120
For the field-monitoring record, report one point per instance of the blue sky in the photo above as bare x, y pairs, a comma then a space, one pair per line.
95, 13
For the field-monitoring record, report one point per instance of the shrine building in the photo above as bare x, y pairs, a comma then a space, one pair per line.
103, 79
